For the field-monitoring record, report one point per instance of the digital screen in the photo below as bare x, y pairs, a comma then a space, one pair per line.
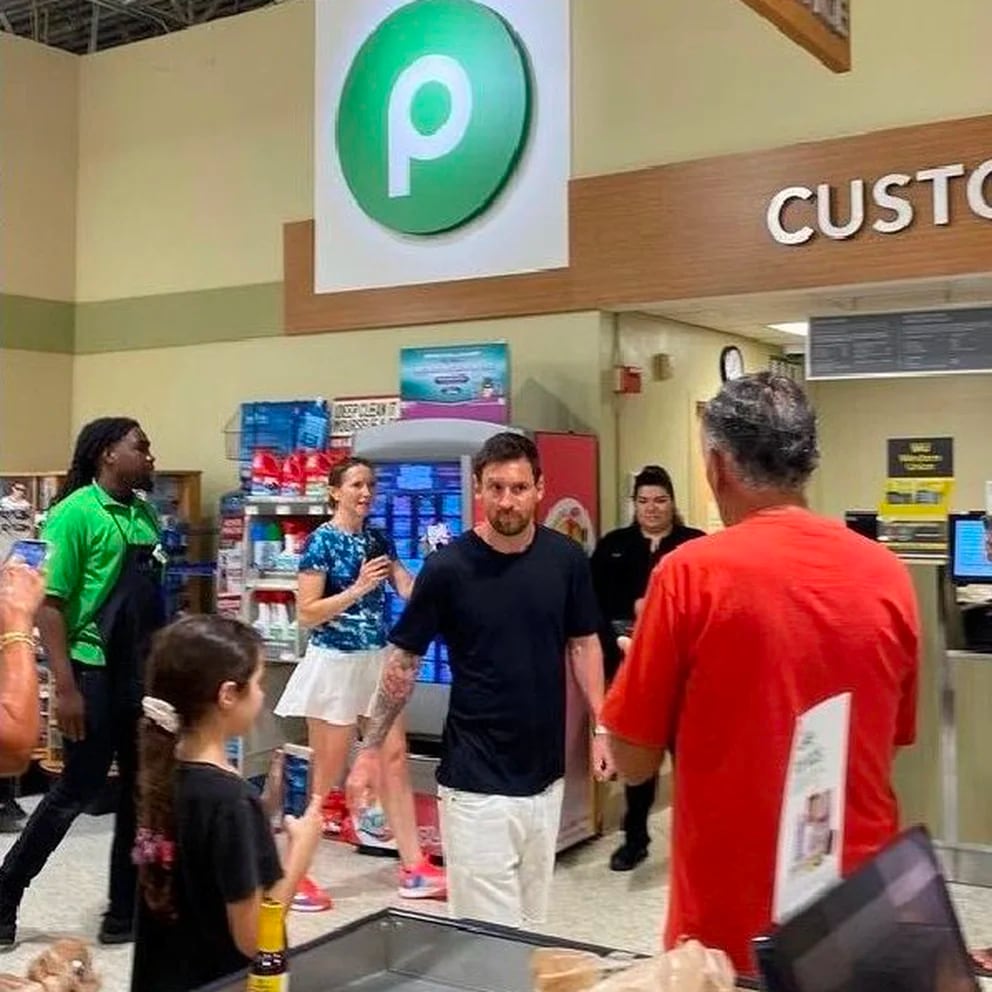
890, 925
419, 504
971, 560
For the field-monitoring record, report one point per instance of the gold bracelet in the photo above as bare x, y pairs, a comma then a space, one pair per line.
15, 637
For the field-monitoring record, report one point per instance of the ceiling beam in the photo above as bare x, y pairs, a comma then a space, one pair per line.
94, 42
138, 13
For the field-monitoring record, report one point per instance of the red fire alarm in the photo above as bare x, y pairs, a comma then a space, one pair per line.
626, 379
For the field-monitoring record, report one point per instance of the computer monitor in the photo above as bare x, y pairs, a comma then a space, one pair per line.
863, 522
889, 926
968, 549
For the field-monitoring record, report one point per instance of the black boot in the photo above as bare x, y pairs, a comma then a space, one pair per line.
628, 855
640, 799
116, 930
10, 902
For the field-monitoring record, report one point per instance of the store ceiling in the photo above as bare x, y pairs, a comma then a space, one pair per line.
92, 25
750, 315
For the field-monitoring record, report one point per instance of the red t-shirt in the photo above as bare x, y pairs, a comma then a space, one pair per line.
741, 632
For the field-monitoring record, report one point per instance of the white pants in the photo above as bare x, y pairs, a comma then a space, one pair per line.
499, 853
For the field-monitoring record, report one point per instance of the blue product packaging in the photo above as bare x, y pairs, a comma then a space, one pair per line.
296, 767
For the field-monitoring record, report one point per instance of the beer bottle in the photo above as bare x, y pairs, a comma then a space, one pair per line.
270, 971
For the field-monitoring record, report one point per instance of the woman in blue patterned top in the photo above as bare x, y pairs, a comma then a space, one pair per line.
342, 598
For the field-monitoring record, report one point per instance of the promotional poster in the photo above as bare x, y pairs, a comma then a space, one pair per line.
469, 382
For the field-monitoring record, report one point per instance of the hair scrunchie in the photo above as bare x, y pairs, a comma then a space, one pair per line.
161, 713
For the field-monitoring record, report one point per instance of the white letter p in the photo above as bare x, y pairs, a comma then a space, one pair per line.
406, 144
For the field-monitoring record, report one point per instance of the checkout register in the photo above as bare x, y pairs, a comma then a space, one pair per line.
970, 572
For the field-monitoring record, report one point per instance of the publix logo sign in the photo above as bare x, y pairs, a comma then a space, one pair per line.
434, 115
442, 140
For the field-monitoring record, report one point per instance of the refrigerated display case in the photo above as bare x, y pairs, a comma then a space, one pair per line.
422, 505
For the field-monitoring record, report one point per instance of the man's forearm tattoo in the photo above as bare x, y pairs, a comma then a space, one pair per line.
399, 675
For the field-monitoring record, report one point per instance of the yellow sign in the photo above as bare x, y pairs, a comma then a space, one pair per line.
917, 499
912, 517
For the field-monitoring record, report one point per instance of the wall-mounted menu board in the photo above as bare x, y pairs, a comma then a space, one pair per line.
929, 342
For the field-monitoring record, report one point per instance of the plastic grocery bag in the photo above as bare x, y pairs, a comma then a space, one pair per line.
65, 967
690, 967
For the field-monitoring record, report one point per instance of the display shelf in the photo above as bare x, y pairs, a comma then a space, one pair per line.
268, 594
285, 506
269, 584
282, 652
979, 657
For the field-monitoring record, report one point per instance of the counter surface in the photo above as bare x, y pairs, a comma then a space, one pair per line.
399, 951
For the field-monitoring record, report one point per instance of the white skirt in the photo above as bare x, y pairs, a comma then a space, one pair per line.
334, 686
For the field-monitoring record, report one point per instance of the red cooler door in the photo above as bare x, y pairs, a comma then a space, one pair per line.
571, 505
571, 485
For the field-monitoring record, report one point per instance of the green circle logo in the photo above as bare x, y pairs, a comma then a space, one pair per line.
434, 115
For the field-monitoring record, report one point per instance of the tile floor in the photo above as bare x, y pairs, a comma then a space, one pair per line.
590, 902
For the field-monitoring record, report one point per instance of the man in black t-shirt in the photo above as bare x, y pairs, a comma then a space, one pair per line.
512, 600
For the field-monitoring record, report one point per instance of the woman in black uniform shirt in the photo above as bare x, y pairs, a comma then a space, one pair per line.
621, 566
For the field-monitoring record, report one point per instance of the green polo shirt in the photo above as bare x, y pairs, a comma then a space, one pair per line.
87, 534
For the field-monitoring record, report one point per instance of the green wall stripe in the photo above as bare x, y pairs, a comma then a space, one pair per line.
172, 320
30, 324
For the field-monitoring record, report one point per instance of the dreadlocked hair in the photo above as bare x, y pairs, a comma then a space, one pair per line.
189, 662
93, 441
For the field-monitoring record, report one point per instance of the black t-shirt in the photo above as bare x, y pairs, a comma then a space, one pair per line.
224, 853
621, 566
506, 619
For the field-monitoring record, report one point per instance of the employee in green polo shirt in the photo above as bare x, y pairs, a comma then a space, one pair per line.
104, 601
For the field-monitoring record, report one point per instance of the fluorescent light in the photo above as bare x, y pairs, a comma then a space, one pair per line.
798, 327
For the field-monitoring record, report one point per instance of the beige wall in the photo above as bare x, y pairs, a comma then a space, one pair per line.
38, 159
185, 396
194, 148
857, 417
658, 426
667, 81
35, 403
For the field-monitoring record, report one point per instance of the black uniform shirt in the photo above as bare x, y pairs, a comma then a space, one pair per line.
621, 566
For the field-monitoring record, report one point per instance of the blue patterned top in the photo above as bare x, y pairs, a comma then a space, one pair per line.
339, 555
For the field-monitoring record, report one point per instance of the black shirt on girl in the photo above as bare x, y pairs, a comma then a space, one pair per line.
224, 853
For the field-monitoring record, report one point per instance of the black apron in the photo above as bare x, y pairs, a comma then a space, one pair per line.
132, 612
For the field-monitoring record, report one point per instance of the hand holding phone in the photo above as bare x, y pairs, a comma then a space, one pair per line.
376, 545
297, 776
31, 552
372, 574
22, 590
622, 628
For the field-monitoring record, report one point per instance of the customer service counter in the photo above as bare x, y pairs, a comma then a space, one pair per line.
945, 779
398, 951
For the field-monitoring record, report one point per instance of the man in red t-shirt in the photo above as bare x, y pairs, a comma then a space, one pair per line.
742, 632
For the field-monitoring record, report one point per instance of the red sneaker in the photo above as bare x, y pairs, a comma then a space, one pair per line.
311, 898
425, 881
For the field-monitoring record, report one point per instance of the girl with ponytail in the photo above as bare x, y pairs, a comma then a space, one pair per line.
205, 854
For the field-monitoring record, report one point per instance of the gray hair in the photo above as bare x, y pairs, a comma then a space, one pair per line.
766, 424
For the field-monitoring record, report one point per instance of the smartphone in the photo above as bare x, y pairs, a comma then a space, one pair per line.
32, 553
376, 545
622, 628
297, 768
